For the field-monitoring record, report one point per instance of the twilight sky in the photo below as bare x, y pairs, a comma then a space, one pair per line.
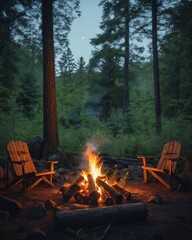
85, 28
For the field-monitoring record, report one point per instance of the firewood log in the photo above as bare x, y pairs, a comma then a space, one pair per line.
78, 197
126, 195
93, 193
91, 217
72, 189
107, 200
86, 199
116, 196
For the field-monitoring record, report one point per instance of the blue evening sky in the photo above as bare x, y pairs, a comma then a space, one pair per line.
84, 28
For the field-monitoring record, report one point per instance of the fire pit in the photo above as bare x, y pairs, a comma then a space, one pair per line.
107, 201
93, 187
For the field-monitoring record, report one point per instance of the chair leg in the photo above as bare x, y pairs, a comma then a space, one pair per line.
34, 184
144, 175
7, 177
48, 181
171, 176
171, 181
160, 180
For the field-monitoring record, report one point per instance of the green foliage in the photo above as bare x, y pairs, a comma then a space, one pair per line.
176, 50
83, 97
15, 125
71, 99
27, 98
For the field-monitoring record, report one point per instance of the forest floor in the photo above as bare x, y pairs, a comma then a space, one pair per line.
169, 220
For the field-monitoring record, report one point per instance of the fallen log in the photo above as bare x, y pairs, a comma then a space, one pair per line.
123, 161
115, 195
92, 217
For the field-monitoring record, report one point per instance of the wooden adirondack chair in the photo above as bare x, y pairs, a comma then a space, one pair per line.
24, 167
166, 165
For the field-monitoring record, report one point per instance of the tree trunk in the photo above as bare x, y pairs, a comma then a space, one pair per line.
126, 60
50, 131
156, 67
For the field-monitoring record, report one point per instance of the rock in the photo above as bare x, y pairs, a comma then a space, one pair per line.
12, 206
36, 213
55, 157
10, 175
156, 237
2, 173
4, 221
50, 205
62, 170
155, 199
4, 216
189, 177
187, 168
35, 147
37, 234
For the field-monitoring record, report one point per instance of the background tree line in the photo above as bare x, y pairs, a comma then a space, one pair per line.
125, 102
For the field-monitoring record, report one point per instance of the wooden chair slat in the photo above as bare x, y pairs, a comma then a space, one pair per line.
18, 151
167, 164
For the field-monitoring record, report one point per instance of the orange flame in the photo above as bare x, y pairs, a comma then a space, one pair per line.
95, 165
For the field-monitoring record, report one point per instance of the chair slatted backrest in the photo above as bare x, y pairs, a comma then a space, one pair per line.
18, 151
170, 150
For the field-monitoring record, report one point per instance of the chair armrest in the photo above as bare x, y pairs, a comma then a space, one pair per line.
44, 161
148, 157
50, 163
145, 158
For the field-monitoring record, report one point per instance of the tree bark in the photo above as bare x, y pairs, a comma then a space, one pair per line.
92, 217
50, 131
126, 61
156, 67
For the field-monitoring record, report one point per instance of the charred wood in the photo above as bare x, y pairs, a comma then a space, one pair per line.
126, 195
86, 199
78, 197
107, 200
91, 217
115, 195
72, 189
93, 193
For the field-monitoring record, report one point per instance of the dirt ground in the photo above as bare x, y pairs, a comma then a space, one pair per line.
169, 220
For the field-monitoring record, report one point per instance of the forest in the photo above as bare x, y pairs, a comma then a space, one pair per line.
124, 101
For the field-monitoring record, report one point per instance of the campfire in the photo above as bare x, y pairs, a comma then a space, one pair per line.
93, 187
106, 200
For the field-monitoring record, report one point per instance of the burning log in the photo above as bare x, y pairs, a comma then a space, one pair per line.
78, 197
92, 217
93, 193
115, 195
126, 195
72, 189
86, 199
108, 201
